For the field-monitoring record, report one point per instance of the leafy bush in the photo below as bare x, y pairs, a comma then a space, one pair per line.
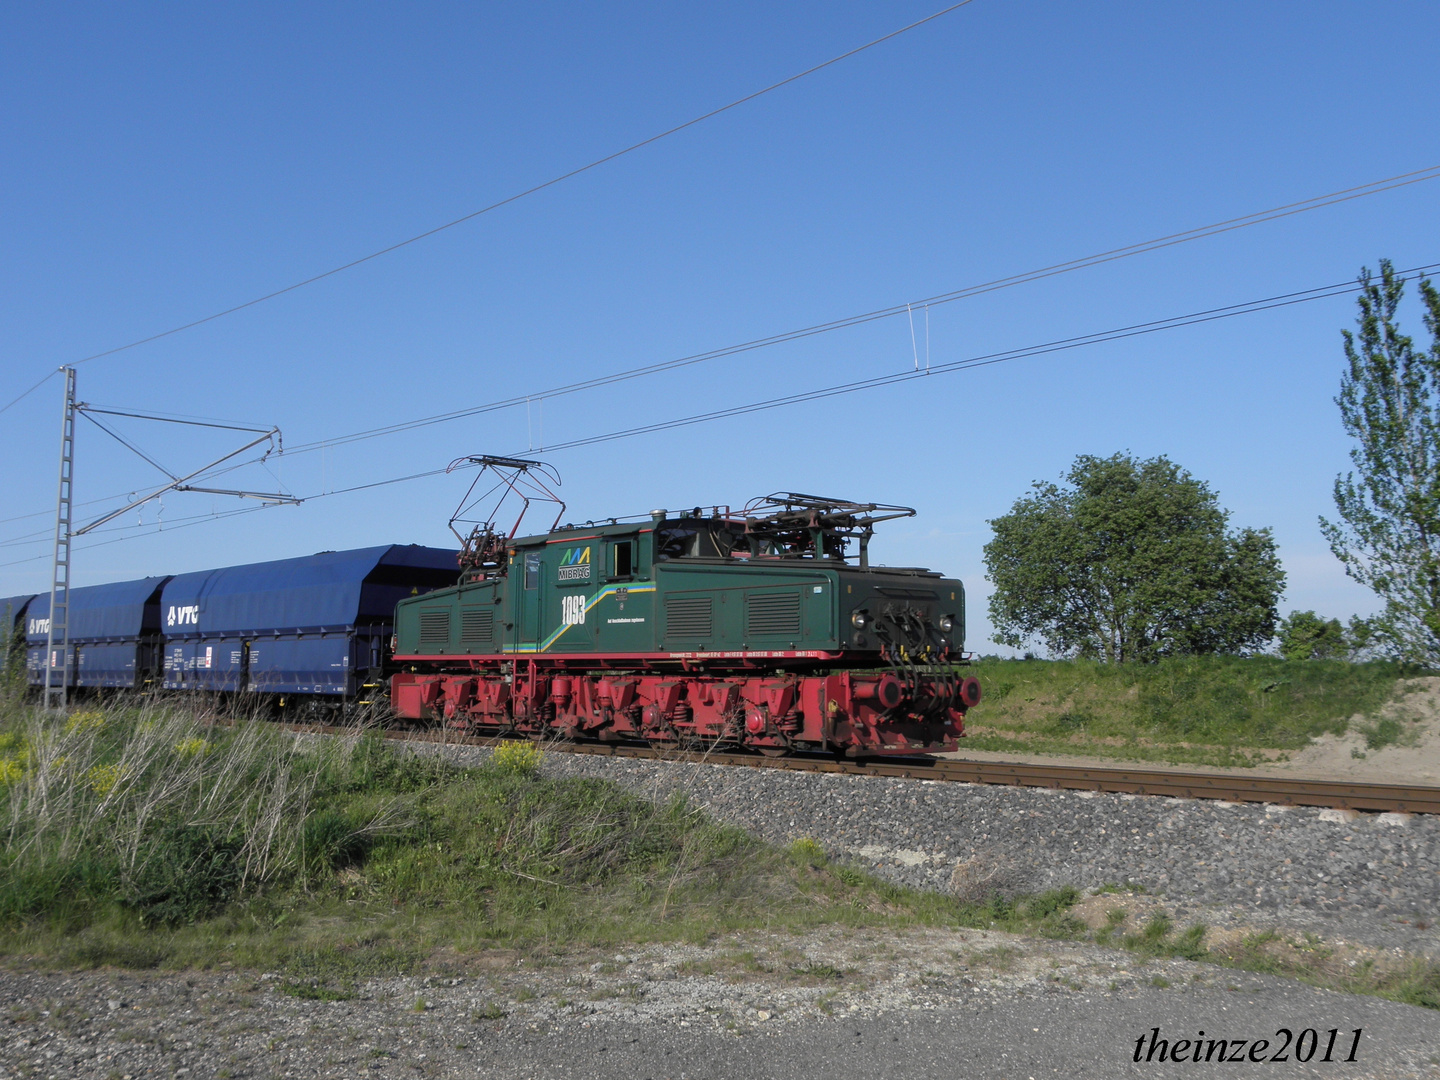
1305, 636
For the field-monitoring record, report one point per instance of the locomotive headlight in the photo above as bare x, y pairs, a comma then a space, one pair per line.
858, 620
947, 623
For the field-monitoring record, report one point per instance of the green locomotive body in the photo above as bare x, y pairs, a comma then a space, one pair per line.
613, 591
697, 628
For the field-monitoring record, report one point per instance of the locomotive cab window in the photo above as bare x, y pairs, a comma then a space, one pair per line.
532, 569
696, 538
624, 558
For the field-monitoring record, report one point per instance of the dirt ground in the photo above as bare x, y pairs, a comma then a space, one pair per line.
1414, 758
804, 1005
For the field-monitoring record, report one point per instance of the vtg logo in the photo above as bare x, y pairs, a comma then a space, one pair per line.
574, 565
183, 616
39, 626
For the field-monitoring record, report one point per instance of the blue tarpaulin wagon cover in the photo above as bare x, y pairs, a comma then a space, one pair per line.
12, 618
14, 607
313, 625
114, 634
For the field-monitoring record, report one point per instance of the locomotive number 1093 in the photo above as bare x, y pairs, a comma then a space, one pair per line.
572, 610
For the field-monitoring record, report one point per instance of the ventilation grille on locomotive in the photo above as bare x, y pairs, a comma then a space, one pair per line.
477, 625
773, 613
434, 628
688, 616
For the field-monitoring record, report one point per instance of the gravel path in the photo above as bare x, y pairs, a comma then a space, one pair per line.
1370, 878
838, 1005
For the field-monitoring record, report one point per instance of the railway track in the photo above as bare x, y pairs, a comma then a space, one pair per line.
1337, 794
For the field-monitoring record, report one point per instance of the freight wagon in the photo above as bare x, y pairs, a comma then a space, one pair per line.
12, 612
317, 625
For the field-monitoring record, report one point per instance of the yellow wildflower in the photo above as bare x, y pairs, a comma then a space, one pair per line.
517, 757
193, 747
85, 721
103, 778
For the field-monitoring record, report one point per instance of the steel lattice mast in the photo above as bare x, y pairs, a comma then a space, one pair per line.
58, 628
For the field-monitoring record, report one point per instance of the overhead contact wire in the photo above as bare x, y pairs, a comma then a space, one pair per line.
1135, 330
1059, 345
527, 192
985, 360
27, 393
1170, 240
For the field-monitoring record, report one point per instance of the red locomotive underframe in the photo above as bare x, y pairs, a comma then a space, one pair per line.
858, 714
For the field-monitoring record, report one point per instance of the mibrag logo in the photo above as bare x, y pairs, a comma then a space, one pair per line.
183, 616
574, 565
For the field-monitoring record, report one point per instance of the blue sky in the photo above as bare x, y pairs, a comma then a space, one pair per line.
160, 163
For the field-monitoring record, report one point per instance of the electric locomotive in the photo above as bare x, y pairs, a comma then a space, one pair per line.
760, 629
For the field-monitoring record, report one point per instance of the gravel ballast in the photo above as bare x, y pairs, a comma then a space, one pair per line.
1372, 878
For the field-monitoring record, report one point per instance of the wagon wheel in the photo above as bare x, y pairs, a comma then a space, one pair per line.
773, 751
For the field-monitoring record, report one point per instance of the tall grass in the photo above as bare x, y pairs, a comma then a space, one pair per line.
144, 837
152, 808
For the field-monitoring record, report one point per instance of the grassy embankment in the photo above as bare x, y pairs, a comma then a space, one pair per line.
1211, 710
144, 838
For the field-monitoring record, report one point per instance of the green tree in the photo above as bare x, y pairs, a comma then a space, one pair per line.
1361, 638
1131, 561
1306, 636
1388, 535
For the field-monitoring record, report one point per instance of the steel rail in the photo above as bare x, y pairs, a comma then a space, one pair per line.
1223, 787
